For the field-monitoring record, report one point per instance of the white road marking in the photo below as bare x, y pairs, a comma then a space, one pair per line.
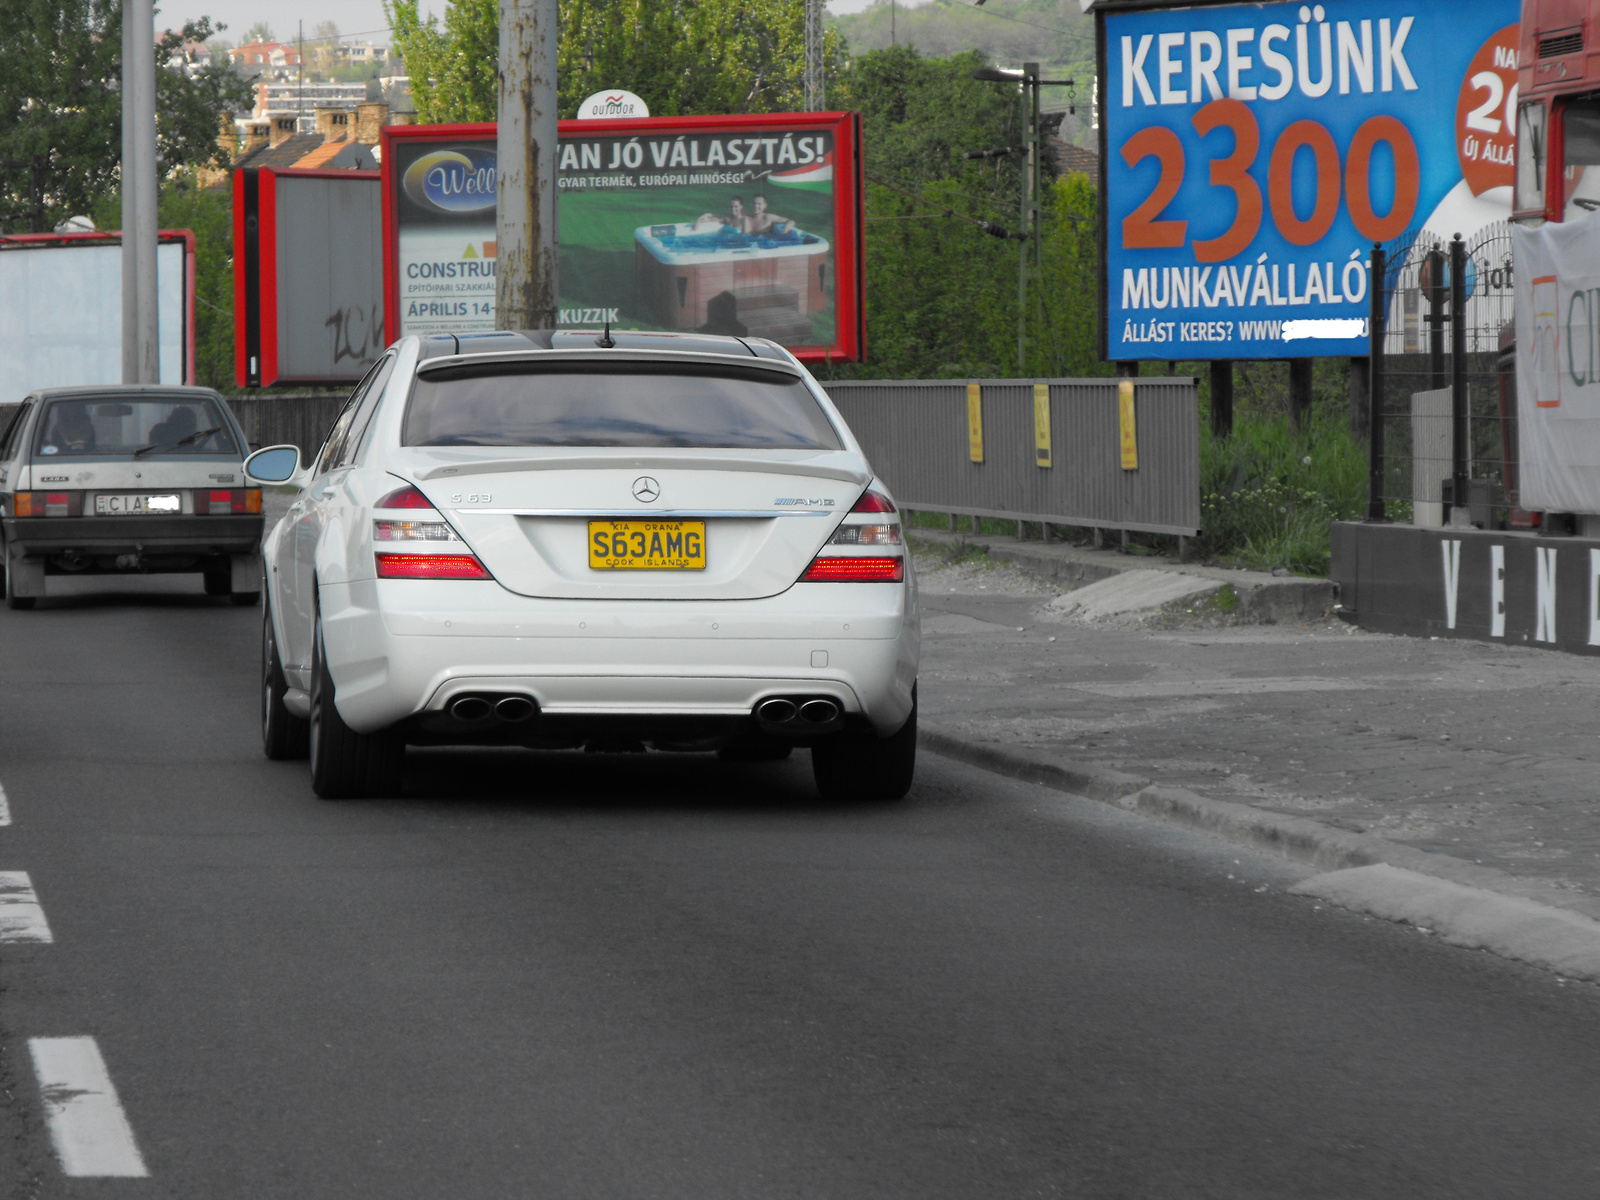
21, 918
5, 809
90, 1131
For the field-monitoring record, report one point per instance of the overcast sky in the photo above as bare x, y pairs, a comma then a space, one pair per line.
354, 17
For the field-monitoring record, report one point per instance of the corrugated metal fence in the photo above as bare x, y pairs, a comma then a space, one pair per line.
916, 435
279, 418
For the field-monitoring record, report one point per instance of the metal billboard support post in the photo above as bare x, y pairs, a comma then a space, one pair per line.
526, 263
1460, 429
1376, 321
141, 345
813, 101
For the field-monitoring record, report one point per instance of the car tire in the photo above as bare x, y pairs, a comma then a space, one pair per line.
346, 765
857, 765
219, 583
13, 601
283, 735
757, 752
244, 599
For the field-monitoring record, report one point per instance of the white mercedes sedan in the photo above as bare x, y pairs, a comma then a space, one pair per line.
618, 542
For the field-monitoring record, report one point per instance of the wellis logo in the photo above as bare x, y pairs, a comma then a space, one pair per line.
453, 181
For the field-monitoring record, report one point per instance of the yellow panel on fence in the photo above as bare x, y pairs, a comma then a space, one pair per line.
1041, 424
975, 422
1130, 436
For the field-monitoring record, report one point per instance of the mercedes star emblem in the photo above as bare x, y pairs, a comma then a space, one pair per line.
645, 489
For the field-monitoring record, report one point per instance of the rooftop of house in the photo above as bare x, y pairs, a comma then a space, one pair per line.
1070, 159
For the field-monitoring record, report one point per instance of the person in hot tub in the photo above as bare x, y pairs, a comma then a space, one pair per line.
734, 218
762, 221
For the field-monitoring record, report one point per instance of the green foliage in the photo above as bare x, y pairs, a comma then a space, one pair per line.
941, 292
452, 69
1269, 495
682, 57
209, 213
61, 108
1053, 33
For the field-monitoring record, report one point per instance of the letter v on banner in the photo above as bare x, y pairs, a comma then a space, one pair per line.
1545, 627
1452, 580
1594, 597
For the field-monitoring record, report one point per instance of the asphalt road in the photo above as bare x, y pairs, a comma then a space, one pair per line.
662, 976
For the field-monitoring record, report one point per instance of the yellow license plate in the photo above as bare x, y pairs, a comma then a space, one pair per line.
647, 545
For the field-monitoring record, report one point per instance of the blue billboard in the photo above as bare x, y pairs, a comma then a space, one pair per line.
1254, 153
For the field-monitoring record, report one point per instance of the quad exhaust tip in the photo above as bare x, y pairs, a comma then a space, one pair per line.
510, 710
814, 711
777, 711
471, 708
514, 708
818, 712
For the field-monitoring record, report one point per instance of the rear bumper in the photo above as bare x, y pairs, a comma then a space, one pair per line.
398, 648
38, 537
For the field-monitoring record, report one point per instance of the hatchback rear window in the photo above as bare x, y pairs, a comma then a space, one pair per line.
156, 425
651, 406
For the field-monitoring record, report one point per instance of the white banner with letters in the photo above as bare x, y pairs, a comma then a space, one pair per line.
1557, 269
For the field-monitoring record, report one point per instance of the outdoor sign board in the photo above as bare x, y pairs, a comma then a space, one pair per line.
308, 276
61, 320
1253, 153
748, 225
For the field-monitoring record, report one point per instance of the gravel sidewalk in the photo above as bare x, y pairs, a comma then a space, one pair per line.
1482, 753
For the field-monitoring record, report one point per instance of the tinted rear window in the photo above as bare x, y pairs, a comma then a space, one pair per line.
102, 425
648, 407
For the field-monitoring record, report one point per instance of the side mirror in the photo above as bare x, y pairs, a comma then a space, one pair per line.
275, 464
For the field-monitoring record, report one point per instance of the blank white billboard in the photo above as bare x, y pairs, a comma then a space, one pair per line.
61, 315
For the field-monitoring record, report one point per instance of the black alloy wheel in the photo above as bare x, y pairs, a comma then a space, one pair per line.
857, 765
346, 765
283, 735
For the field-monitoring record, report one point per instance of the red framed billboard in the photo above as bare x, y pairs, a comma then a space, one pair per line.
748, 225
307, 276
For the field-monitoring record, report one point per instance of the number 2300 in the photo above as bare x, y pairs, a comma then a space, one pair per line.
1142, 230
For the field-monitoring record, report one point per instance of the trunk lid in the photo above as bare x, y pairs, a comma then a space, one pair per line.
527, 512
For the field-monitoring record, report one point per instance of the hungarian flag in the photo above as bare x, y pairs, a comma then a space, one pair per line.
813, 177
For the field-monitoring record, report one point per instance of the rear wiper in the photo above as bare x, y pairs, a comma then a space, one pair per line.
186, 439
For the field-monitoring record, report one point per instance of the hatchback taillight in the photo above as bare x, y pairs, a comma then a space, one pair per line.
47, 504
226, 501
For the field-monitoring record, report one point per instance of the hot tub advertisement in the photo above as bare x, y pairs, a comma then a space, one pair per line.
738, 225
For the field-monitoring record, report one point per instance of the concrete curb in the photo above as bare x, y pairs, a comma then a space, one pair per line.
1296, 838
1262, 598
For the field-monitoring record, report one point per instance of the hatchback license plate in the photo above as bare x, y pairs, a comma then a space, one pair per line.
647, 545
123, 506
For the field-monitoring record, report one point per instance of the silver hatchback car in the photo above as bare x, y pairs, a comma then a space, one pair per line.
118, 480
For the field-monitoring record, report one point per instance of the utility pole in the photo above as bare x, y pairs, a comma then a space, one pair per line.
300, 78
814, 100
1030, 202
526, 265
141, 344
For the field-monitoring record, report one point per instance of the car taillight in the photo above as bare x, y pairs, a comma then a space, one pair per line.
47, 504
413, 531
226, 501
865, 535
838, 569
430, 566
873, 502
406, 497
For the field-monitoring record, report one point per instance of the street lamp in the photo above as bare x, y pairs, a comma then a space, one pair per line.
1028, 77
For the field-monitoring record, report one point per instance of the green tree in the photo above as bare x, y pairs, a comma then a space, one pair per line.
682, 56
61, 108
208, 212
